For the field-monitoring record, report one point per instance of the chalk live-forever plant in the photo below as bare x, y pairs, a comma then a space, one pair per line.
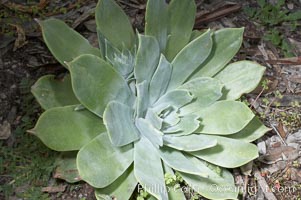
145, 105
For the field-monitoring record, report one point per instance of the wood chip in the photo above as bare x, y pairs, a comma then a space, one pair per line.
54, 189
264, 186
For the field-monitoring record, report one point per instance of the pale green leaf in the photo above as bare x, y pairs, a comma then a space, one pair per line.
64, 43
176, 160
181, 21
189, 58
226, 43
228, 153
150, 132
224, 118
160, 80
118, 119
66, 167
254, 130
156, 19
64, 129
142, 100
196, 33
147, 58
172, 118
154, 119
122, 60
148, 169
114, 25
239, 78
205, 90
101, 84
51, 92
101, 42
176, 98
122, 188
219, 186
100, 163
193, 142
187, 125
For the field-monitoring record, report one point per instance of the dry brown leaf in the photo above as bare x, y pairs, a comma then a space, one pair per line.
281, 153
21, 37
281, 130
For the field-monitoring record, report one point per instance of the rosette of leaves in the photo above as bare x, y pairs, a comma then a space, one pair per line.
144, 105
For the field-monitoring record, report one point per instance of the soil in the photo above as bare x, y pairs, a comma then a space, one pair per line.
24, 58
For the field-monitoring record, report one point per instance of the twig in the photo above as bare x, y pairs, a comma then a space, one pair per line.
275, 129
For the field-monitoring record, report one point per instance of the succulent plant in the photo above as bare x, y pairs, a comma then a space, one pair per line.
145, 105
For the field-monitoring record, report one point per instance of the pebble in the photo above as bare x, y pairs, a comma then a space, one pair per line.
3, 96
5, 130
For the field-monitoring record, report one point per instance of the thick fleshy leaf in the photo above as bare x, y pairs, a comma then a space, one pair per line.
156, 19
220, 184
142, 100
114, 25
193, 142
181, 21
196, 33
147, 58
205, 90
100, 163
176, 98
64, 129
176, 160
228, 153
254, 130
148, 169
226, 43
189, 58
51, 92
224, 118
172, 118
154, 119
64, 43
150, 132
122, 60
66, 167
239, 78
122, 188
101, 43
118, 119
174, 192
101, 84
187, 125
160, 80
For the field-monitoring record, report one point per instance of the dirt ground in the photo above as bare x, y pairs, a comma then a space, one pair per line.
27, 167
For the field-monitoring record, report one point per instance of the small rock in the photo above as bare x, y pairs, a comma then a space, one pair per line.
1, 64
90, 25
262, 148
5, 130
294, 138
295, 145
3, 96
33, 62
290, 6
12, 114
